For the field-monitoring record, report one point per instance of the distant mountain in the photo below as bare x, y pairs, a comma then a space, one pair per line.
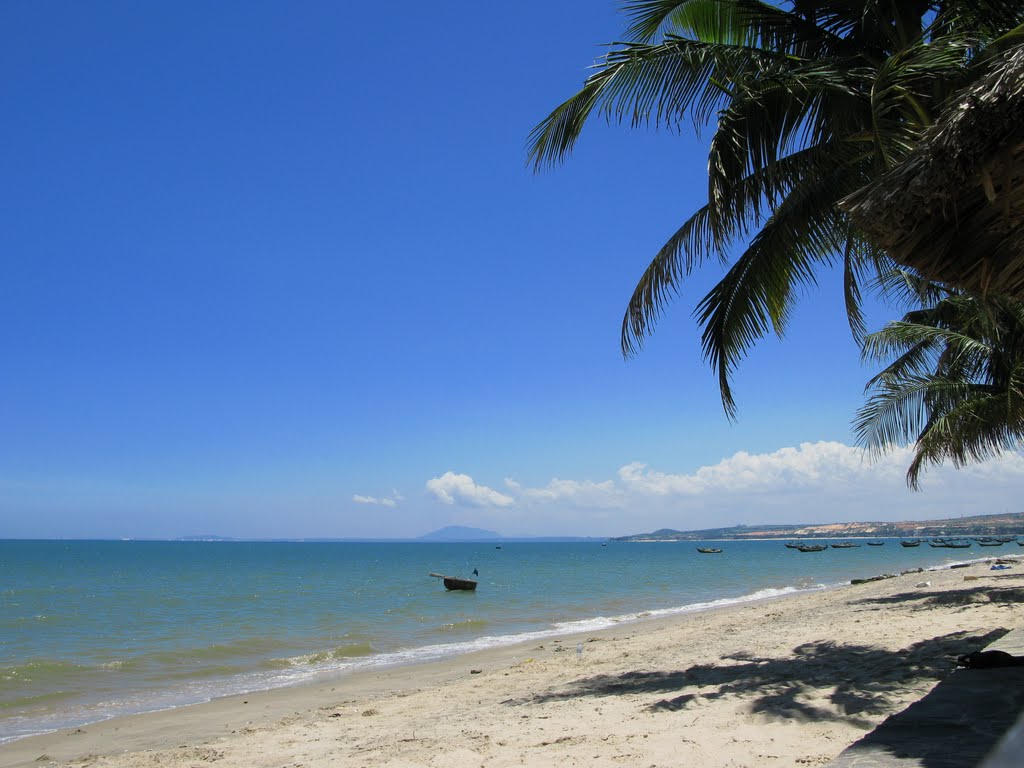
977, 525
460, 533
663, 533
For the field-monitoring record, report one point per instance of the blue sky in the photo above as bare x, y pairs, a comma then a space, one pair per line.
276, 269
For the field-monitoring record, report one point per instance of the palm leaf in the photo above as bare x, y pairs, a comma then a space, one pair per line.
641, 84
756, 294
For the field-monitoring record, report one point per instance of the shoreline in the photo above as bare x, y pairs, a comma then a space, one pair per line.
441, 654
630, 673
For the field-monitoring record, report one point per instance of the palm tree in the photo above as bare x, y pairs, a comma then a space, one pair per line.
809, 103
956, 386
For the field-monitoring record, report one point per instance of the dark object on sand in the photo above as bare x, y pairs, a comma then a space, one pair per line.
989, 659
709, 551
873, 578
456, 583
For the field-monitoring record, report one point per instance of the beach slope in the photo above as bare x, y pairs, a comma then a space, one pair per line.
784, 682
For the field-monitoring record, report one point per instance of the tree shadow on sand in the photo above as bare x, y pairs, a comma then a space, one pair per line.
821, 681
920, 600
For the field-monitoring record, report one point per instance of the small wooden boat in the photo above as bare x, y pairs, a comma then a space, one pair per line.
876, 543
456, 583
910, 542
989, 543
793, 545
845, 545
812, 547
709, 551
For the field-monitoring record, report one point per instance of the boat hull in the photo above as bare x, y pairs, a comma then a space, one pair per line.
463, 585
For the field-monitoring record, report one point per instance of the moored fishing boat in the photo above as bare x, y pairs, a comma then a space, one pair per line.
457, 583
845, 545
949, 543
709, 551
812, 547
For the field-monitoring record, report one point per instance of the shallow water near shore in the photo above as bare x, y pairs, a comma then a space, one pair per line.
89, 630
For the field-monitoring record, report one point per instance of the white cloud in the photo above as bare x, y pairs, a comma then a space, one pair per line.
806, 467
585, 493
451, 488
825, 467
811, 482
384, 501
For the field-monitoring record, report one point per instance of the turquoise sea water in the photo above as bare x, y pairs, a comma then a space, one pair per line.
92, 629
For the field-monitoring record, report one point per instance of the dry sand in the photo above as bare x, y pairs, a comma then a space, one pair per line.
784, 682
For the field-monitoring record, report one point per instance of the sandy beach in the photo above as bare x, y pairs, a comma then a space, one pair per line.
784, 682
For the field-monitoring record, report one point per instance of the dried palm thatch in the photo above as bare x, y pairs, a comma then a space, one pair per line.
954, 209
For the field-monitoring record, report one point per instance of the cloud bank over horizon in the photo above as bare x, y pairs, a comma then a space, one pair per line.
812, 482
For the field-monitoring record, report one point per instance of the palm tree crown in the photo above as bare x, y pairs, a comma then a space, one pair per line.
809, 102
955, 387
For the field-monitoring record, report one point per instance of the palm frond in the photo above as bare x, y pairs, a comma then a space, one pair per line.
956, 389
756, 294
645, 84
742, 22
711, 231
684, 252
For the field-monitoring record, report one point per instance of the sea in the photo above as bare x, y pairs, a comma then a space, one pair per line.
94, 629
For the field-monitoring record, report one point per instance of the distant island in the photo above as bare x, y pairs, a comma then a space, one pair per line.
976, 525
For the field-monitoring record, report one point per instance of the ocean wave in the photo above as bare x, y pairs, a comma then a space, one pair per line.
340, 653
38, 672
462, 625
234, 649
26, 705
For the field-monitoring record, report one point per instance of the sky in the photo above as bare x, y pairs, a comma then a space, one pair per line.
275, 269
